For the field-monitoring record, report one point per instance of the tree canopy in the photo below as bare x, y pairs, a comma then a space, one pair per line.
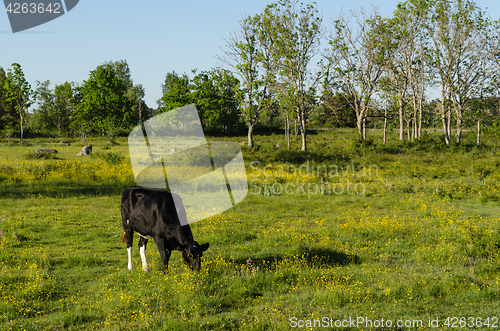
277, 71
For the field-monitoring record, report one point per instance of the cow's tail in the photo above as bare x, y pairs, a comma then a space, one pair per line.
124, 237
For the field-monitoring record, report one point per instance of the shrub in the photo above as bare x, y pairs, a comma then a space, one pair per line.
45, 156
109, 157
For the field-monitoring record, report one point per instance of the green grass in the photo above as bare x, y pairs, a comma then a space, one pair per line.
420, 241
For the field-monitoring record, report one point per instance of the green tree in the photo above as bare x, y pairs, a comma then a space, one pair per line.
140, 110
408, 66
8, 113
358, 60
41, 119
122, 71
55, 107
248, 53
494, 48
64, 105
101, 104
19, 91
335, 111
296, 32
176, 92
214, 93
461, 57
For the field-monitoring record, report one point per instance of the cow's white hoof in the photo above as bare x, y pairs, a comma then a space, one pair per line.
130, 267
145, 267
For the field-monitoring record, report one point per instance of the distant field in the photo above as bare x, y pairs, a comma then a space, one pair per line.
405, 232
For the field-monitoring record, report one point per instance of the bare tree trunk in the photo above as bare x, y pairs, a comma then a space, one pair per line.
364, 129
444, 114
22, 131
478, 131
449, 125
414, 115
420, 118
414, 133
361, 121
140, 112
287, 130
385, 121
20, 107
421, 94
420, 99
401, 121
303, 133
459, 126
250, 135
359, 124
445, 126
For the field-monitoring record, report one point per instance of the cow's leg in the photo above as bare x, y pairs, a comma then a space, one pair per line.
164, 253
130, 239
142, 249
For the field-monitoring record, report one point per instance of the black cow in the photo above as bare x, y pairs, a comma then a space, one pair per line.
153, 215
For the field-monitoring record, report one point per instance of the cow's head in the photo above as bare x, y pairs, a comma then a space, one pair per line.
192, 254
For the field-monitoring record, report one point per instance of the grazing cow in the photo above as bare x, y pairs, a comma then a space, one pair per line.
153, 215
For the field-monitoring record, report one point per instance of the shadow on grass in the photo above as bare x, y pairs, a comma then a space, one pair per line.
329, 257
314, 256
296, 157
64, 189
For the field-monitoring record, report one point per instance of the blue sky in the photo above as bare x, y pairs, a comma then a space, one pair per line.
155, 37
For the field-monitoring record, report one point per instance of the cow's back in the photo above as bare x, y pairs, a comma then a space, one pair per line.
156, 211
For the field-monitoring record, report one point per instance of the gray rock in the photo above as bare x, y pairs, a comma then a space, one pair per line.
46, 150
85, 150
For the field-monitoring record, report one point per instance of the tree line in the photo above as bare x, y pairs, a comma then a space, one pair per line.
373, 72
103, 104
373, 67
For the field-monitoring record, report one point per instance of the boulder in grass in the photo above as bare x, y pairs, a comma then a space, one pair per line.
241, 143
85, 150
46, 150
67, 143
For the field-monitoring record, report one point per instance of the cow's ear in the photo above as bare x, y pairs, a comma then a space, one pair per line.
204, 247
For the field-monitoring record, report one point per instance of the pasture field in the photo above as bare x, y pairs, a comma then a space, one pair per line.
404, 232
